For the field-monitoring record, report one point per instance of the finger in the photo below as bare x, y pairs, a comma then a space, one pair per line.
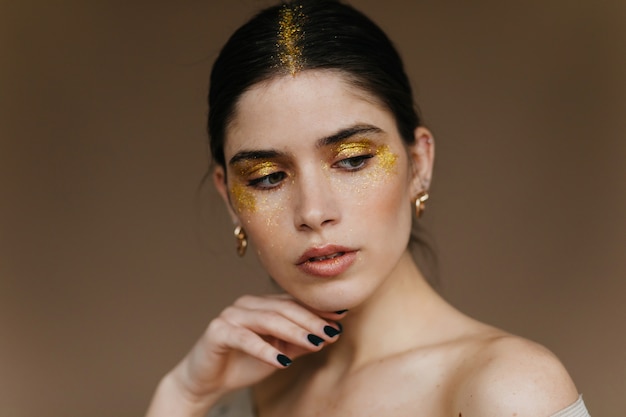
332, 328
227, 337
274, 324
293, 311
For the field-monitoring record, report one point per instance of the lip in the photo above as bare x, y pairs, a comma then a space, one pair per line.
340, 259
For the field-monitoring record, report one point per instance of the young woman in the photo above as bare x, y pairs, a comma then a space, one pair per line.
324, 165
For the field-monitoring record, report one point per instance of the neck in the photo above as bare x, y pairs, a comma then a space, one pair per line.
399, 317
404, 314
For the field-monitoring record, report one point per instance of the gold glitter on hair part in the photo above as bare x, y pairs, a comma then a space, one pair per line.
290, 36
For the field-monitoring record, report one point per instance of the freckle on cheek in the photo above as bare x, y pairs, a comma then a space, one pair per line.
270, 221
243, 199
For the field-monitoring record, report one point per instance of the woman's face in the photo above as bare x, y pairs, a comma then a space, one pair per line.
322, 183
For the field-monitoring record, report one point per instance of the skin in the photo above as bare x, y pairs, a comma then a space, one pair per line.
404, 350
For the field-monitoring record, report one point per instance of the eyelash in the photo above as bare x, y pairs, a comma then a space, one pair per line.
361, 159
265, 182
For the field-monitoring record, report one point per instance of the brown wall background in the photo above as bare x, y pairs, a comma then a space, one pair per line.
112, 261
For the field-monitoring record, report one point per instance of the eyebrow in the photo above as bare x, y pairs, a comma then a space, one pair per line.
336, 137
346, 133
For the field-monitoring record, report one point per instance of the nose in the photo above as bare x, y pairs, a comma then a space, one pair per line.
317, 205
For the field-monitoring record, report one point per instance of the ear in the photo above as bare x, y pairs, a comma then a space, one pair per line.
422, 157
219, 179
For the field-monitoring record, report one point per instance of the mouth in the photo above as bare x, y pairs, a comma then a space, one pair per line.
323, 253
326, 261
326, 257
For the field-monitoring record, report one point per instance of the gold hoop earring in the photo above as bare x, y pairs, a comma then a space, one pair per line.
242, 240
420, 203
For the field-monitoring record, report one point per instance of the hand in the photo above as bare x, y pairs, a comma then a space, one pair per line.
250, 340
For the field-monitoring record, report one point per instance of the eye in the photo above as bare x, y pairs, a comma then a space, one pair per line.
354, 163
268, 181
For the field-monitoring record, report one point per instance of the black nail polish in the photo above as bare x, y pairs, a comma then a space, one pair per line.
339, 326
331, 331
340, 311
316, 340
283, 360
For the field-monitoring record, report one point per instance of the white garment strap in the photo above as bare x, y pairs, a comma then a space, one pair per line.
577, 409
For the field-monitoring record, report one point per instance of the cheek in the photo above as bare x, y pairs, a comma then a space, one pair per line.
381, 202
263, 216
270, 235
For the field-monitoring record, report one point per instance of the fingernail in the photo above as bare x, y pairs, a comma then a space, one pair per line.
316, 340
283, 360
340, 311
331, 331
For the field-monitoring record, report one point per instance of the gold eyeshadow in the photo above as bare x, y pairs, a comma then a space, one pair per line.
243, 199
243, 196
386, 159
258, 169
352, 149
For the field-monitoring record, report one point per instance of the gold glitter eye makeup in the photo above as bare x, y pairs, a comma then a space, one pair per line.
258, 169
387, 159
353, 149
353, 163
243, 199
263, 175
353, 156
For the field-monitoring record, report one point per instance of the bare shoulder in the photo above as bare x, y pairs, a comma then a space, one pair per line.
509, 375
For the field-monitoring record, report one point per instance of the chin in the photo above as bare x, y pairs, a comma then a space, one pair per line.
334, 297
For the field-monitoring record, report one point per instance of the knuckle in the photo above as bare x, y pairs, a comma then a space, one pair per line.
228, 313
217, 326
263, 350
239, 336
244, 300
289, 303
272, 317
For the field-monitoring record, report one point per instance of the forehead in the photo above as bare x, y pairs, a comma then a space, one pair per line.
288, 110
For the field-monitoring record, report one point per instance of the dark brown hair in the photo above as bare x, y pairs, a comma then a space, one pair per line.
324, 34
